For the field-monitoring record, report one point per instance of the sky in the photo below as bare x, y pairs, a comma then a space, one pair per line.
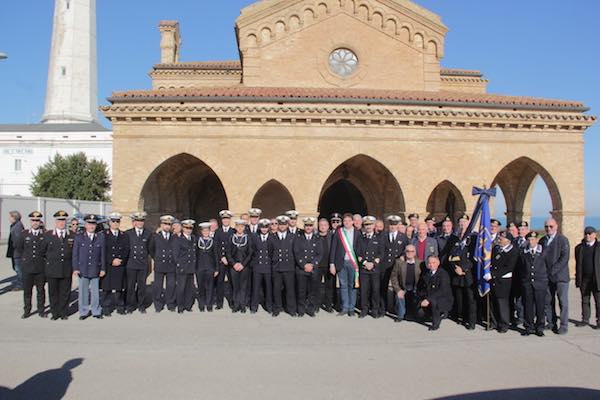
542, 48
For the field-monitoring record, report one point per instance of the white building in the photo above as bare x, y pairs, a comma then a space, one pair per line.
70, 122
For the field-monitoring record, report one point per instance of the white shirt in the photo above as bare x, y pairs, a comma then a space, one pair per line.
91, 236
225, 229
115, 233
61, 233
187, 237
393, 236
308, 236
166, 235
138, 232
264, 237
281, 235
590, 244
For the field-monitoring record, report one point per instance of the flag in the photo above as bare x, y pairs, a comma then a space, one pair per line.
483, 248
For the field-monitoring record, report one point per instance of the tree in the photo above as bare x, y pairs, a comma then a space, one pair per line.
72, 177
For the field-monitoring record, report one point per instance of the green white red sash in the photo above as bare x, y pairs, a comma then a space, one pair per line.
348, 248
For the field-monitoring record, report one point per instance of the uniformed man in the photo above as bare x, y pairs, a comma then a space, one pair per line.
308, 252
161, 250
30, 244
435, 293
431, 228
89, 265
138, 263
327, 279
336, 221
513, 229
206, 267
379, 226
262, 274
446, 242
394, 244
534, 281
254, 214
293, 222
504, 260
239, 255
517, 313
495, 226
176, 227
370, 252
283, 267
521, 239
413, 221
462, 281
273, 226
58, 256
214, 225
185, 252
114, 282
74, 225
463, 224
223, 241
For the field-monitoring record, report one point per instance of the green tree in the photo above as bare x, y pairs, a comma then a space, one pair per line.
72, 177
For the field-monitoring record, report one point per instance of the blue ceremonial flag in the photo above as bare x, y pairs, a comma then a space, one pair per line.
483, 248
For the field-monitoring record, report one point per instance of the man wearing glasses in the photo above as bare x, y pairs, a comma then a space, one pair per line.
587, 275
556, 248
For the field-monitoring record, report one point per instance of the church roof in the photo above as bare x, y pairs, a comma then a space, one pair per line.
52, 127
326, 95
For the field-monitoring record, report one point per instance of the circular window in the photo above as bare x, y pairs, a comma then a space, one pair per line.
343, 62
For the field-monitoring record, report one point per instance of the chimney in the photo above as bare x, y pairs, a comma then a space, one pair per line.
170, 41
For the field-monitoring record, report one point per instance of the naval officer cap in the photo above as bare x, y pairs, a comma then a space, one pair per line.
240, 222
60, 215
167, 219
204, 225
335, 217
369, 220
394, 219
465, 216
254, 212
447, 219
35, 216
188, 223
91, 219
309, 221
512, 225
430, 219
413, 215
139, 216
283, 220
264, 223
532, 234
495, 222
292, 214
115, 217
523, 224
225, 214
506, 235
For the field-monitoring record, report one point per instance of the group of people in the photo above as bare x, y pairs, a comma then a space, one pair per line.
328, 264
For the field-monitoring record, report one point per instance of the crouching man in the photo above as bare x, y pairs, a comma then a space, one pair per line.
435, 293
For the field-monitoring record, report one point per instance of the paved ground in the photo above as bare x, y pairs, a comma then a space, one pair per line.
225, 356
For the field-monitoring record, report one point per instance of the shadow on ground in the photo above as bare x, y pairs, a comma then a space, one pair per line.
540, 393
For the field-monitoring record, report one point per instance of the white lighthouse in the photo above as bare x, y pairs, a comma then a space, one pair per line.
71, 93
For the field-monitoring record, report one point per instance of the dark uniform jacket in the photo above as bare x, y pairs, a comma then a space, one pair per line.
446, 246
222, 241
116, 247
240, 250
557, 258
299, 231
579, 262
263, 252
398, 277
30, 247
326, 248
532, 268
207, 255
337, 253
139, 249
282, 259
58, 254
392, 251
370, 250
308, 252
161, 251
466, 264
185, 251
436, 288
13, 237
89, 256
503, 266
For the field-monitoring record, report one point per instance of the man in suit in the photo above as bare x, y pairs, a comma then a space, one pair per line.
58, 256
556, 249
223, 241
114, 282
405, 281
89, 264
185, 253
138, 263
293, 222
394, 244
587, 275
462, 281
447, 241
16, 227
29, 244
262, 273
431, 226
344, 263
254, 214
369, 254
284, 267
329, 290
308, 252
161, 250
206, 267
521, 239
426, 246
435, 294
534, 281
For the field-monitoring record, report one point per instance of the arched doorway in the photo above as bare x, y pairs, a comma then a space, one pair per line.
517, 183
446, 199
183, 186
273, 199
361, 185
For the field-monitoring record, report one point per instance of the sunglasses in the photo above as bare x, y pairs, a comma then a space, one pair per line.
410, 251
549, 226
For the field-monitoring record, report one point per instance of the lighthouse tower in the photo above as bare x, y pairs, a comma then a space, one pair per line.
71, 94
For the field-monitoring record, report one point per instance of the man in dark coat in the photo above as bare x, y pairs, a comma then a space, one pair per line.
16, 227
462, 280
283, 267
222, 239
370, 253
394, 243
557, 253
534, 282
262, 274
329, 289
161, 250
435, 293
206, 267
504, 261
138, 263
446, 243
58, 256
185, 250
89, 264
587, 275
30, 244
308, 252
239, 255
114, 282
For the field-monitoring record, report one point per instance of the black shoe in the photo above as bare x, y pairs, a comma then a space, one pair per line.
180, 311
243, 310
26, 315
562, 331
156, 311
526, 333
253, 311
83, 317
54, 317
470, 327
64, 318
108, 315
234, 310
580, 324
311, 314
219, 307
597, 326
121, 312
362, 315
209, 309
502, 330
539, 333
142, 311
549, 327
275, 313
341, 314
434, 328
300, 314
42, 314
351, 313
293, 315
98, 316
328, 310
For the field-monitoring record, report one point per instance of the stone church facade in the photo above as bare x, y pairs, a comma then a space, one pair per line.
338, 105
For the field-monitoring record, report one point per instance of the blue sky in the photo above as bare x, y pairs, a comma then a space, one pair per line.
545, 48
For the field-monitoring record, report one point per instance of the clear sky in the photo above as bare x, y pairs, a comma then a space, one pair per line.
545, 48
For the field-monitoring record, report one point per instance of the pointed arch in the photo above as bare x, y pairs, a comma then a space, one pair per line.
273, 198
446, 199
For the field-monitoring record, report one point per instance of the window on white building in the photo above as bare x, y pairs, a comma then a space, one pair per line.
18, 165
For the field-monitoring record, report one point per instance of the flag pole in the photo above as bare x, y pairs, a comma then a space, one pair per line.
487, 326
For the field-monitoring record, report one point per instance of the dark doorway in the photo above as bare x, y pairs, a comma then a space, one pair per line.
273, 199
343, 197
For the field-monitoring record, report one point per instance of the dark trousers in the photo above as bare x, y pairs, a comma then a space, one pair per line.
308, 292
262, 279
249, 288
184, 291
239, 281
370, 292
224, 271
329, 288
111, 300
285, 280
464, 303
588, 289
516, 303
534, 302
432, 310
136, 289
384, 288
164, 295
37, 280
206, 283
59, 292
558, 290
501, 311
